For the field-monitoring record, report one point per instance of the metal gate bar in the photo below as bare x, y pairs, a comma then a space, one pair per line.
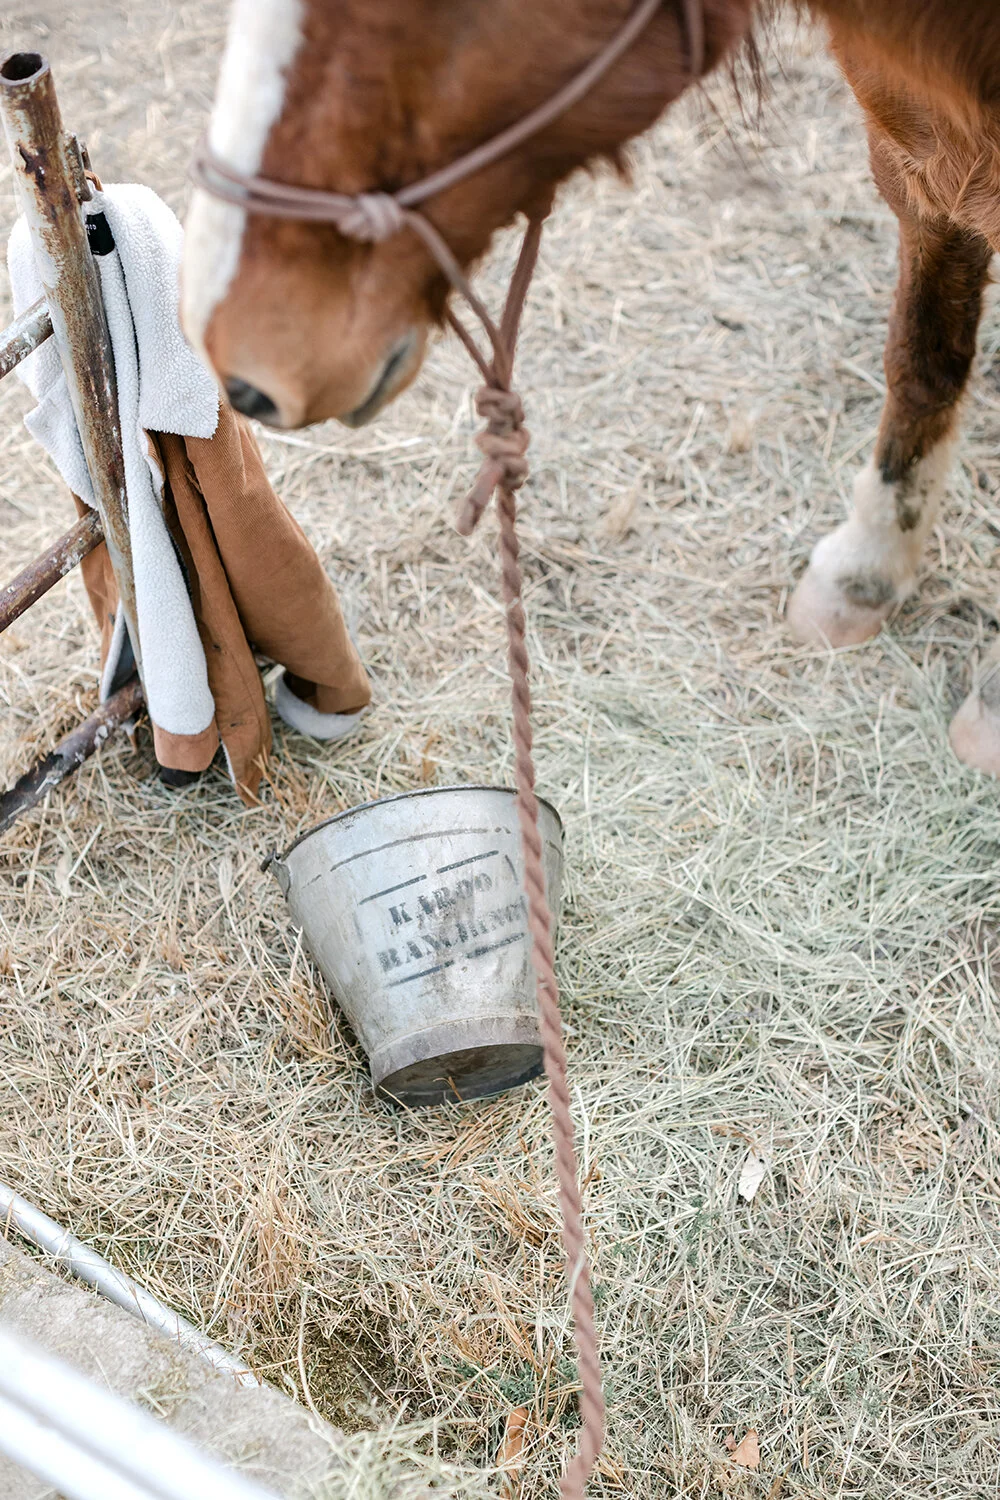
81, 1438
32, 328
52, 186
70, 753
39, 576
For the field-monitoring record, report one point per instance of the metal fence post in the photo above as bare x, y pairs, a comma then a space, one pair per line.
51, 185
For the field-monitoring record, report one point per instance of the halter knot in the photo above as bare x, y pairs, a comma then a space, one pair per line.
503, 445
370, 217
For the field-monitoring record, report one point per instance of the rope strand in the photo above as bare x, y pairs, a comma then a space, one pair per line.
592, 1408
504, 445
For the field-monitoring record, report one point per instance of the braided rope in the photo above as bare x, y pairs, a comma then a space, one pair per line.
592, 1408
504, 446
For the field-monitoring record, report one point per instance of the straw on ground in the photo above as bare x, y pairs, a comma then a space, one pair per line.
780, 932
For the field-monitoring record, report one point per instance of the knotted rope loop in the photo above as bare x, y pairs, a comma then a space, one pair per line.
503, 445
371, 217
502, 410
505, 441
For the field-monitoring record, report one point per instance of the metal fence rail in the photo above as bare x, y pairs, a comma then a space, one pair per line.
39, 576
25, 334
91, 1445
84, 1262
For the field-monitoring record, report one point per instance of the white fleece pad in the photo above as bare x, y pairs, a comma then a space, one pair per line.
174, 673
162, 387
177, 393
308, 720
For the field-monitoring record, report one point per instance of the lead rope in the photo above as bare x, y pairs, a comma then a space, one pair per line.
592, 1408
504, 445
373, 217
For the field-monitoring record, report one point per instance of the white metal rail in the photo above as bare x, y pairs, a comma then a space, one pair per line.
92, 1445
92, 1268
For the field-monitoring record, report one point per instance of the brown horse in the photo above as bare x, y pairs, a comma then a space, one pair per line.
303, 324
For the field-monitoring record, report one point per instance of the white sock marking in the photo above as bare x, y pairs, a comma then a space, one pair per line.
871, 542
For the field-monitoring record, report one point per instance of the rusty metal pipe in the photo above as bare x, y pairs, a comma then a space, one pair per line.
49, 174
70, 753
39, 576
24, 335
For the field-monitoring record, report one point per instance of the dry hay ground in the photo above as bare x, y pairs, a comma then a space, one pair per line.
782, 909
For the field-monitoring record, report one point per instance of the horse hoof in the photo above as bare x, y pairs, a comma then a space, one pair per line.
975, 735
820, 613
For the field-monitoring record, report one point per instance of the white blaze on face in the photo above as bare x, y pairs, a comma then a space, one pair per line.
264, 36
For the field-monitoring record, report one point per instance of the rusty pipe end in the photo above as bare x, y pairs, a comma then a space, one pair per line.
19, 68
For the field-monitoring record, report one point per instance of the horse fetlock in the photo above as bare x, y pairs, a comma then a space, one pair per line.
860, 573
851, 586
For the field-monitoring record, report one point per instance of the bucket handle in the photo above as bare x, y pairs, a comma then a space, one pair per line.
279, 870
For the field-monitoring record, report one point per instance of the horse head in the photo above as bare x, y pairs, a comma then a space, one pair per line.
366, 96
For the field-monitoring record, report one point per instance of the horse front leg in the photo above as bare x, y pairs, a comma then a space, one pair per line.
859, 573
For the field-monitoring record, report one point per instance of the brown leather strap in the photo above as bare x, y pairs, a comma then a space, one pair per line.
372, 217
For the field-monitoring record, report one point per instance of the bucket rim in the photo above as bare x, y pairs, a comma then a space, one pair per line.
423, 791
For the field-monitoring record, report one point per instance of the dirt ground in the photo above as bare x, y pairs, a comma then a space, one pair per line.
781, 923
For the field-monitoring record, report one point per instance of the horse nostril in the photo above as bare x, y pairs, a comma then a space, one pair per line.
250, 401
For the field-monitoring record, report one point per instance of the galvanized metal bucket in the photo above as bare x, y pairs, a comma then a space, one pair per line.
414, 910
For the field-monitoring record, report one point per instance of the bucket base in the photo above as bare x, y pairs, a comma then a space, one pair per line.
459, 1060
